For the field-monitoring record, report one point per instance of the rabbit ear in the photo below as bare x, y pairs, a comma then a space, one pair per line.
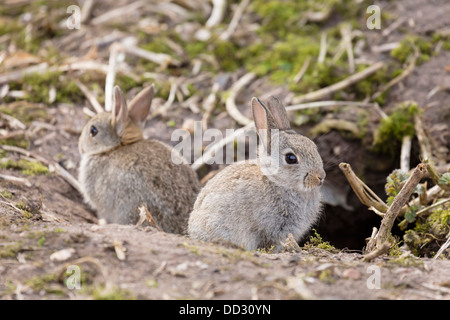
263, 121
120, 111
279, 114
140, 105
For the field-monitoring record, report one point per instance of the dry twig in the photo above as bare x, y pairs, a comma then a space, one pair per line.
376, 253
151, 221
393, 26
354, 78
346, 32
235, 20
362, 191
15, 180
443, 248
405, 154
111, 75
162, 59
117, 12
399, 201
208, 105
90, 96
424, 143
323, 48
435, 205
397, 79
302, 70
230, 102
217, 13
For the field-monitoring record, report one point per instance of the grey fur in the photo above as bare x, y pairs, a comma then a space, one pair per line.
243, 205
116, 179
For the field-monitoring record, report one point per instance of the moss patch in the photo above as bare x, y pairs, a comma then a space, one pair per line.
114, 293
41, 282
29, 168
25, 112
316, 241
10, 250
392, 129
39, 85
429, 233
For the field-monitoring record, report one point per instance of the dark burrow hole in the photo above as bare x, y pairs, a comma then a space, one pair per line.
345, 228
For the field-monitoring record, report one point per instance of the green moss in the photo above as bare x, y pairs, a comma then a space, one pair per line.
127, 83
407, 261
158, 44
282, 59
10, 250
392, 129
370, 85
407, 47
6, 194
35, 234
114, 293
282, 17
395, 251
267, 250
226, 55
152, 283
429, 233
18, 141
41, 282
327, 276
26, 211
436, 38
41, 241
192, 248
194, 48
38, 86
25, 112
43, 27
29, 168
9, 26
316, 241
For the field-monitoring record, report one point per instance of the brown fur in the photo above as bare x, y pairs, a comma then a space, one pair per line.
244, 205
120, 171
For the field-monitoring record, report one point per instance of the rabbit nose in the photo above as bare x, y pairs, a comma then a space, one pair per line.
320, 180
321, 177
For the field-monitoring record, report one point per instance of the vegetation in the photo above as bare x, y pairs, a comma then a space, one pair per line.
316, 241
28, 168
392, 129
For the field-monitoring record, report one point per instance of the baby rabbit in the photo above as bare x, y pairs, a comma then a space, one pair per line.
256, 204
120, 171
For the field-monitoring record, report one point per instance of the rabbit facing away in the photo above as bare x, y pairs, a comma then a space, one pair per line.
120, 170
256, 204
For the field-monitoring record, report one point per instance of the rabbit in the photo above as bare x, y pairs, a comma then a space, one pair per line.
252, 205
120, 170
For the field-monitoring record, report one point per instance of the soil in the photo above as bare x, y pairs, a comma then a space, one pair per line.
135, 262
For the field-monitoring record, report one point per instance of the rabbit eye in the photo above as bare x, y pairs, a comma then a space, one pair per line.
291, 158
93, 131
